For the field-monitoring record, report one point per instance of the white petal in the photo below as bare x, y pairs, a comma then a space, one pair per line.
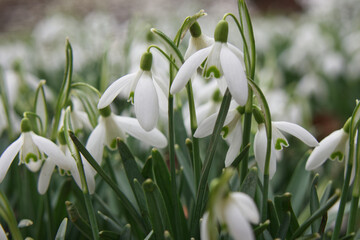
235, 140
234, 75
188, 69
95, 142
237, 225
247, 206
45, 175
260, 145
34, 166
298, 132
2, 233
146, 102
131, 126
206, 127
322, 152
114, 89
52, 150
204, 231
8, 156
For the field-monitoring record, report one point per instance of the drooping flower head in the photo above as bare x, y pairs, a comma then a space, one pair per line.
31, 149
197, 40
335, 146
142, 88
236, 210
278, 140
222, 61
231, 131
111, 126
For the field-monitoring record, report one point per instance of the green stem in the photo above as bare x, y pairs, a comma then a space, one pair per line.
200, 196
353, 213
5, 102
246, 137
177, 231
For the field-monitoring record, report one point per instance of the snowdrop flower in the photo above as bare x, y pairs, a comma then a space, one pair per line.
50, 164
143, 88
32, 149
222, 60
335, 146
234, 209
278, 141
197, 40
232, 131
78, 117
111, 126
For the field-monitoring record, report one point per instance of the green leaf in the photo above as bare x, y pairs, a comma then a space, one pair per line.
274, 219
283, 207
284, 226
80, 223
60, 235
241, 156
40, 107
140, 196
128, 206
157, 210
109, 235
318, 213
314, 203
163, 181
131, 168
65, 88
7, 214
250, 182
261, 228
110, 220
184, 162
147, 170
297, 188
313, 236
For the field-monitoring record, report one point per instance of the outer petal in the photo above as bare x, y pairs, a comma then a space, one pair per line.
298, 132
146, 102
260, 151
234, 75
322, 152
131, 125
204, 231
235, 140
52, 150
114, 89
45, 176
188, 69
206, 127
95, 142
246, 206
237, 225
8, 156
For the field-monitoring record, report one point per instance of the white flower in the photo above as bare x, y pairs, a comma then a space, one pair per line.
236, 210
78, 117
111, 126
222, 59
50, 164
197, 40
232, 131
278, 142
335, 146
32, 148
146, 91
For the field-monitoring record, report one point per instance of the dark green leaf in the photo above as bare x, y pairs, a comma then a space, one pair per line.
250, 182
